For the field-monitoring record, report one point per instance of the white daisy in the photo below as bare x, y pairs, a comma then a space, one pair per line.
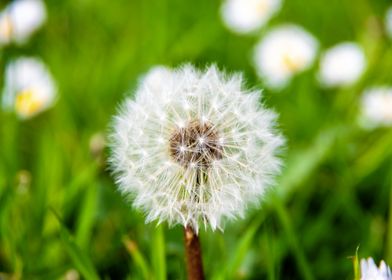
283, 52
20, 19
376, 107
244, 16
194, 147
342, 65
388, 22
369, 270
29, 87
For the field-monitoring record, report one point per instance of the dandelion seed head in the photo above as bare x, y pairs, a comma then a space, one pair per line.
200, 165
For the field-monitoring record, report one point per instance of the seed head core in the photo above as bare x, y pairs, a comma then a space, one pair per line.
197, 144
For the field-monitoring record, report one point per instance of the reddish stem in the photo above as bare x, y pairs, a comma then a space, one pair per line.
193, 255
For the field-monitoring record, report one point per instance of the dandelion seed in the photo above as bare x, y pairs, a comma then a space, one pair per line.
284, 52
20, 20
376, 107
29, 87
222, 160
342, 65
244, 16
370, 271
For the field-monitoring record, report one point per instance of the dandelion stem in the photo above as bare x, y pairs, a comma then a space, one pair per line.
193, 254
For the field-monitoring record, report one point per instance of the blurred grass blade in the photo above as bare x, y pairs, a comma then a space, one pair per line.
81, 261
369, 160
270, 253
5, 197
137, 257
356, 265
77, 183
240, 251
86, 217
302, 163
158, 253
291, 236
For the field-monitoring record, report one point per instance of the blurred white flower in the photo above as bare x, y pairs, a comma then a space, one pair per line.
388, 22
369, 270
244, 16
376, 107
194, 147
155, 77
20, 19
342, 65
283, 52
29, 87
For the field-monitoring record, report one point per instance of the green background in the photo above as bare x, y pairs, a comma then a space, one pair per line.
333, 196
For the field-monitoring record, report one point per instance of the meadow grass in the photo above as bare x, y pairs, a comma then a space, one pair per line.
59, 207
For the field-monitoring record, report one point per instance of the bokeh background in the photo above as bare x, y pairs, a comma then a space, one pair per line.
61, 216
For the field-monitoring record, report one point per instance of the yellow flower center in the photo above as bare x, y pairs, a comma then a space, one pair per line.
6, 27
27, 103
292, 63
262, 7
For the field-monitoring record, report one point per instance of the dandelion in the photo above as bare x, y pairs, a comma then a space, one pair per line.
244, 16
194, 148
369, 270
376, 107
29, 87
20, 20
284, 52
342, 65
388, 22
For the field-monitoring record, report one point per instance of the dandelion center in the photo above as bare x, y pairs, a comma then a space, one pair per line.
195, 145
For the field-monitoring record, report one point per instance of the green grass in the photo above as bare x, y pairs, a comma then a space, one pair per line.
333, 196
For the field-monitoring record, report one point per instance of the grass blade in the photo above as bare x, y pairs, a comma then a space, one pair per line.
137, 257
81, 261
158, 253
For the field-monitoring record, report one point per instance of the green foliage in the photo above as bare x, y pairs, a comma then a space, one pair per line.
81, 261
333, 195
